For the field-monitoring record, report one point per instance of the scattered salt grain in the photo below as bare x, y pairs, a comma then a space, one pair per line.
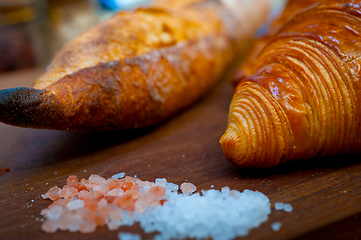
188, 188
276, 226
128, 236
55, 173
212, 186
119, 175
288, 207
279, 205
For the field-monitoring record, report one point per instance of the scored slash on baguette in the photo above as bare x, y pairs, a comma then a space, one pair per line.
136, 69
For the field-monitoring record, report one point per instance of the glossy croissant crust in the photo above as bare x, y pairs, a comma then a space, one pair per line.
137, 68
303, 96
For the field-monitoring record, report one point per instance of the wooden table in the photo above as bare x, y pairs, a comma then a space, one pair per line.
325, 193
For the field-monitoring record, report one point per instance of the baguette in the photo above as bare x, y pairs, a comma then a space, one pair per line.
303, 97
136, 69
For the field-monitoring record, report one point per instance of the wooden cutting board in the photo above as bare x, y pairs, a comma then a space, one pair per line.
325, 193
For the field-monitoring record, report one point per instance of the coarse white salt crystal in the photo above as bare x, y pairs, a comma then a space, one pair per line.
225, 191
75, 204
287, 207
190, 216
119, 175
128, 236
279, 205
276, 226
171, 187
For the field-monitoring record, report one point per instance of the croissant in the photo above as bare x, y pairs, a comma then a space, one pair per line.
136, 69
303, 97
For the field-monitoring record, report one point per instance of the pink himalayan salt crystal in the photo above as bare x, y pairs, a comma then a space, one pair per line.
144, 183
85, 195
140, 206
116, 192
188, 188
97, 179
49, 226
68, 192
60, 202
160, 182
55, 212
75, 204
75, 225
235, 194
52, 194
44, 212
103, 205
150, 199
157, 191
88, 227
62, 223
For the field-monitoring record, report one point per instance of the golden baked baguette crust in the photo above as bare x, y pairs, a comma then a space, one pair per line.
303, 97
135, 69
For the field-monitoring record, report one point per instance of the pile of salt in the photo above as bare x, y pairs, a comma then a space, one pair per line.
82, 206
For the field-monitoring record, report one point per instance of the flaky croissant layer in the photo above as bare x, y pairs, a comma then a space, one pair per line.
303, 97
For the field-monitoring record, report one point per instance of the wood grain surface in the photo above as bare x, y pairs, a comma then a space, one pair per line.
325, 193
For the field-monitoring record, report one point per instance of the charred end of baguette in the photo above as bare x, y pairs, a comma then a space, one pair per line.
27, 107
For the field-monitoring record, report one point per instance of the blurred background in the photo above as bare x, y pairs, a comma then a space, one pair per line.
32, 31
